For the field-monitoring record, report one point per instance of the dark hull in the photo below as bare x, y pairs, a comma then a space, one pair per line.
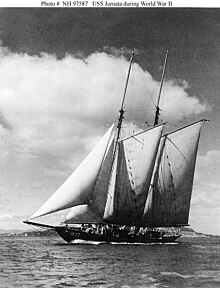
71, 234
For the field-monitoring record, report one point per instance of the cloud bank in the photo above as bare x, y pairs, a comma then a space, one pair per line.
206, 193
53, 111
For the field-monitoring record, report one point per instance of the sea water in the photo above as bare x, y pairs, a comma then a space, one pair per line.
49, 262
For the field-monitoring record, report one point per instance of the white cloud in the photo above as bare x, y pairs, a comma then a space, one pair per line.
53, 106
8, 217
205, 210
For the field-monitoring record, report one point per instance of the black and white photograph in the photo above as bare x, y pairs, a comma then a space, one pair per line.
109, 144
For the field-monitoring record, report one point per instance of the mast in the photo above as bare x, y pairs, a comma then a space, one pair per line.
156, 119
111, 191
121, 111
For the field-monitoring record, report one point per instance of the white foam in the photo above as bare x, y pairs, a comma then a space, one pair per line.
176, 274
79, 241
86, 242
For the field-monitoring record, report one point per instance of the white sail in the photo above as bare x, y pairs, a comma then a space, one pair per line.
100, 192
169, 198
148, 215
128, 129
136, 158
96, 205
109, 208
81, 214
77, 189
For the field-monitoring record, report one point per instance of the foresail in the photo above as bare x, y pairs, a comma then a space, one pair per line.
81, 214
169, 197
135, 163
77, 189
127, 130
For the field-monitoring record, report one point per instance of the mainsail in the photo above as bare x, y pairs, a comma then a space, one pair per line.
77, 189
169, 196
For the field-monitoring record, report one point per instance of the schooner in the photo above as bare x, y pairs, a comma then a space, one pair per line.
134, 186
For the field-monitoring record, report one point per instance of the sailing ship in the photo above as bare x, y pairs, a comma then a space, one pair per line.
135, 186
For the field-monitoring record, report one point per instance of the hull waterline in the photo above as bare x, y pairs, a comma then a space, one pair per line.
71, 234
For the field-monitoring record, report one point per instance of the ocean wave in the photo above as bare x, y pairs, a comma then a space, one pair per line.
176, 274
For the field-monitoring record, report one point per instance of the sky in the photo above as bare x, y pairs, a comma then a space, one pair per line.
62, 76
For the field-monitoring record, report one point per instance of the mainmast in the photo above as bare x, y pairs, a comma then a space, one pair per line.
156, 119
121, 111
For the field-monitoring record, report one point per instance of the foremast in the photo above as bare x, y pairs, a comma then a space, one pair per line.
112, 180
122, 111
156, 119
